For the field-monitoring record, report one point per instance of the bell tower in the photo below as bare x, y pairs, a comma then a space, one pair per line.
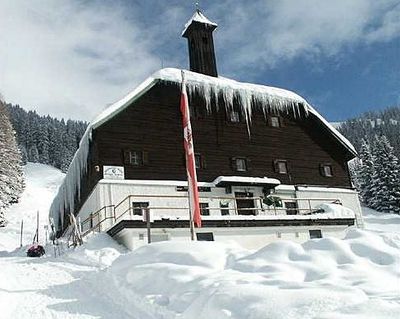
199, 32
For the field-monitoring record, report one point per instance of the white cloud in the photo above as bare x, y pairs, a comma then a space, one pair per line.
69, 59
72, 58
266, 33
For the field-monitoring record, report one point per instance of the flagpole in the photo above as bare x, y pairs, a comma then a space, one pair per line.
191, 219
191, 222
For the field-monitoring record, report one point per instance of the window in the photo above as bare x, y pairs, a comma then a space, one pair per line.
224, 208
234, 116
326, 170
291, 208
199, 160
138, 207
240, 164
275, 121
135, 157
315, 233
281, 167
204, 209
205, 236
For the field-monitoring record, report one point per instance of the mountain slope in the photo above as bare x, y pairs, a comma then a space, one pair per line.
42, 183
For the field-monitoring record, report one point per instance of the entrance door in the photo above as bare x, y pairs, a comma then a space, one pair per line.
245, 205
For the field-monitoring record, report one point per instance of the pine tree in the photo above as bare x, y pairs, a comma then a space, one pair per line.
11, 176
354, 168
364, 174
43, 142
386, 178
44, 139
386, 122
33, 154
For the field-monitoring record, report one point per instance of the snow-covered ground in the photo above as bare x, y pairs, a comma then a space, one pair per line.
358, 277
41, 184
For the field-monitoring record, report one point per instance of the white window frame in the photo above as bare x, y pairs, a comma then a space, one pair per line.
326, 170
135, 158
243, 167
279, 167
234, 116
275, 121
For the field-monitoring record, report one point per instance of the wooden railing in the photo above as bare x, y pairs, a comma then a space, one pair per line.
114, 213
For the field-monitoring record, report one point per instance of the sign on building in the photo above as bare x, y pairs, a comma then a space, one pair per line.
113, 172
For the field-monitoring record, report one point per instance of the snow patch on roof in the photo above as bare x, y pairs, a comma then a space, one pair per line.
198, 16
246, 180
334, 131
326, 189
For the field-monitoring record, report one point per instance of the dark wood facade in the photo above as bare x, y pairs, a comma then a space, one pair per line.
153, 125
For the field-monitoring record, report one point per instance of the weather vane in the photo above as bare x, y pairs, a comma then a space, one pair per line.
197, 6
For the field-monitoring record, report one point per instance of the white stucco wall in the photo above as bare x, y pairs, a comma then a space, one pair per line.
250, 238
112, 192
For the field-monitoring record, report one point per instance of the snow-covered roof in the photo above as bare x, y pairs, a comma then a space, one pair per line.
236, 180
198, 16
213, 90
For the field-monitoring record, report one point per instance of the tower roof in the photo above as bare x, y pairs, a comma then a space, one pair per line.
198, 17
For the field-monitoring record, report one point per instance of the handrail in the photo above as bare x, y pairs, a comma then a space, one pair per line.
96, 213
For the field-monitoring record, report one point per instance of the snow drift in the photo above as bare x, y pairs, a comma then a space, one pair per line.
325, 278
357, 277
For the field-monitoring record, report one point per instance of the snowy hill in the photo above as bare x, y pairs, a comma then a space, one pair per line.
42, 182
358, 277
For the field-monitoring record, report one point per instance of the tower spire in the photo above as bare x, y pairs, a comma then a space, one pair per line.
199, 32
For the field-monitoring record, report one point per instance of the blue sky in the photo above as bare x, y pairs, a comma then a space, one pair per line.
73, 58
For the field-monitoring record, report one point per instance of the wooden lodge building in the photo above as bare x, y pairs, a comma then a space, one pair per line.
268, 165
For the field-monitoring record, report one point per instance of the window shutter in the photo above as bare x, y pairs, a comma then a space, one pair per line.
276, 166
233, 163
321, 169
248, 164
127, 157
281, 122
145, 157
203, 162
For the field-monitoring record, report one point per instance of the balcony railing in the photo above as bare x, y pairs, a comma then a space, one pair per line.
109, 215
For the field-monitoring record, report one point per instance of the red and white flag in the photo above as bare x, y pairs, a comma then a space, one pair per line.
190, 158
